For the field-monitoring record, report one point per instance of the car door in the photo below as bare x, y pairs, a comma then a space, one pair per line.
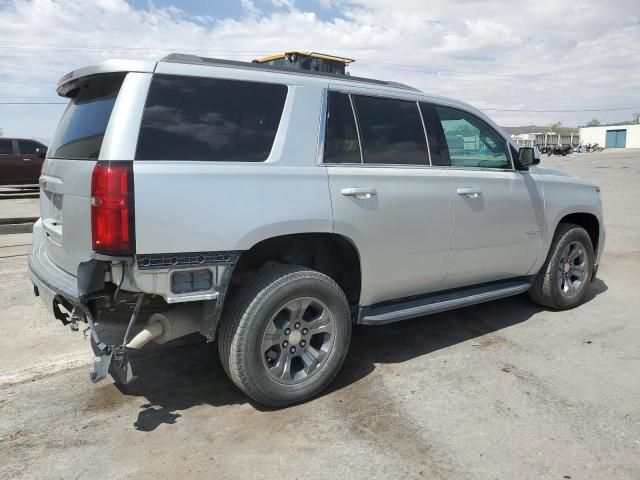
385, 195
497, 210
10, 166
31, 160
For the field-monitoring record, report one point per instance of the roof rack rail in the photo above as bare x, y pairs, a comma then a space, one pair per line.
196, 60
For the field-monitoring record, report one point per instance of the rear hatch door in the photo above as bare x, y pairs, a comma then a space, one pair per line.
65, 196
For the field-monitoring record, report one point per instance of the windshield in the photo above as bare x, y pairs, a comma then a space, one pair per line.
81, 129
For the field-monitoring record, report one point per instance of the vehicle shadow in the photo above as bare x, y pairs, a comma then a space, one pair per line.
176, 379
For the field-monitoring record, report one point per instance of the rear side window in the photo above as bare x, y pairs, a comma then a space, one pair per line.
28, 147
81, 129
341, 136
391, 131
6, 147
471, 141
193, 118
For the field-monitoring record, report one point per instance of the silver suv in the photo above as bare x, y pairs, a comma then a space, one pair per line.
271, 209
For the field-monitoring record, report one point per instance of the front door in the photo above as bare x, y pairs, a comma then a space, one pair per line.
386, 197
497, 231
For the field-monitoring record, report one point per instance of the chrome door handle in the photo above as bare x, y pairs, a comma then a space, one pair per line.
26, 159
362, 193
470, 192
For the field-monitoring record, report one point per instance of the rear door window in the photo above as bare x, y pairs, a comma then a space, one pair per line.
6, 147
82, 126
471, 141
391, 131
211, 119
341, 136
27, 147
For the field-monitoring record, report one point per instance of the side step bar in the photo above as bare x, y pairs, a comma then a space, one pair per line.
440, 302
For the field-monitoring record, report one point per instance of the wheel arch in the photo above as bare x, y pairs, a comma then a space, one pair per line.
588, 221
333, 254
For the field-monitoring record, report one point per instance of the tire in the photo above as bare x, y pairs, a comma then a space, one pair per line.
549, 289
276, 307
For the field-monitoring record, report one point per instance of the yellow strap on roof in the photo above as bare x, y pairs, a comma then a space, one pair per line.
307, 53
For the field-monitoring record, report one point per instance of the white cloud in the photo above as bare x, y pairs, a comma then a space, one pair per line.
541, 55
250, 7
290, 4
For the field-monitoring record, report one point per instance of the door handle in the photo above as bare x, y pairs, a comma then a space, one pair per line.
470, 192
362, 193
26, 159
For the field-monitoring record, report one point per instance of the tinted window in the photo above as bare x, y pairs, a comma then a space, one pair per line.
28, 147
341, 137
390, 131
191, 118
471, 142
6, 147
81, 129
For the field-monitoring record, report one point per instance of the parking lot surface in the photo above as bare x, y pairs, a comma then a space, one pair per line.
505, 389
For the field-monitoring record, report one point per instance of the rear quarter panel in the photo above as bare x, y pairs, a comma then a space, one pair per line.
188, 206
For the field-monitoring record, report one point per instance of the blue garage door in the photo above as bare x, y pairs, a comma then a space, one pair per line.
616, 138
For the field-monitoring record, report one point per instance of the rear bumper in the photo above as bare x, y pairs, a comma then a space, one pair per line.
50, 280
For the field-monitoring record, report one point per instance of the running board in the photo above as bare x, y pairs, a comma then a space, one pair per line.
440, 302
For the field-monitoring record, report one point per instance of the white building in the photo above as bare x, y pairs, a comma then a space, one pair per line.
548, 138
612, 136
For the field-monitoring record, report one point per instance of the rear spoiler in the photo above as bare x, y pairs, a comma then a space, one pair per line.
67, 83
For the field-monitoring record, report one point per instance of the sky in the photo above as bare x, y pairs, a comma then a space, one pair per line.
523, 62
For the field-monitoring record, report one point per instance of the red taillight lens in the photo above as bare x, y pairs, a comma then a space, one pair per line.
112, 227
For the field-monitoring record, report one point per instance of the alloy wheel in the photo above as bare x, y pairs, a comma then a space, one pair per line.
298, 340
572, 268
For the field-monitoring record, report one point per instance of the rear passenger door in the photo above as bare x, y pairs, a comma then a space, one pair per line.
32, 161
495, 207
386, 197
10, 166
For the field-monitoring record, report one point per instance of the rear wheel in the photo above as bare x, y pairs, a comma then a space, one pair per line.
564, 279
285, 335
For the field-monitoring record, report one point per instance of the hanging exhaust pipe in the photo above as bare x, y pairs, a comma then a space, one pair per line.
169, 325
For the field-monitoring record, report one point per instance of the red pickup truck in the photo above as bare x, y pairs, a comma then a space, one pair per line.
20, 161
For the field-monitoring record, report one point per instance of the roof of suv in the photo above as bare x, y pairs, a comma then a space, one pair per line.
196, 60
112, 66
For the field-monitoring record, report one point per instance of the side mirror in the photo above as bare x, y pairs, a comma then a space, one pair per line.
41, 152
527, 157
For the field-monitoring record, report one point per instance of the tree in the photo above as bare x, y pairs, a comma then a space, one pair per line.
1, 132
557, 128
594, 122
636, 117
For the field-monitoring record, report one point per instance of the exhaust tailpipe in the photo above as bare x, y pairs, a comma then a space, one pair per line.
169, 325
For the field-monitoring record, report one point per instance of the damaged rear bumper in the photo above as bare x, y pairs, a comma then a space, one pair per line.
63, 297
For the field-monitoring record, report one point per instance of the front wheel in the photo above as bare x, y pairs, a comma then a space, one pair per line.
564, 279
285, 335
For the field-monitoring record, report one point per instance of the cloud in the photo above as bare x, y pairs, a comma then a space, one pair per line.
250, 7
540, 55
290, 4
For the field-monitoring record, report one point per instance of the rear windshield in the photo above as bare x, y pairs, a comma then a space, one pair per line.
210, 119
81, 130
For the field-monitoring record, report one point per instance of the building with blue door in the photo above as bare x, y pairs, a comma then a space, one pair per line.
612, 136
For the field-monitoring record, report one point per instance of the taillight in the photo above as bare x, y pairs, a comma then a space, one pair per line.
112, 208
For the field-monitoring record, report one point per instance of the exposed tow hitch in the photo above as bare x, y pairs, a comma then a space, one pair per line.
114, 359
161, 328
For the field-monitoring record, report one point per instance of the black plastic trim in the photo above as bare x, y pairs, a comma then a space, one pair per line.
437, 141
155, 261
